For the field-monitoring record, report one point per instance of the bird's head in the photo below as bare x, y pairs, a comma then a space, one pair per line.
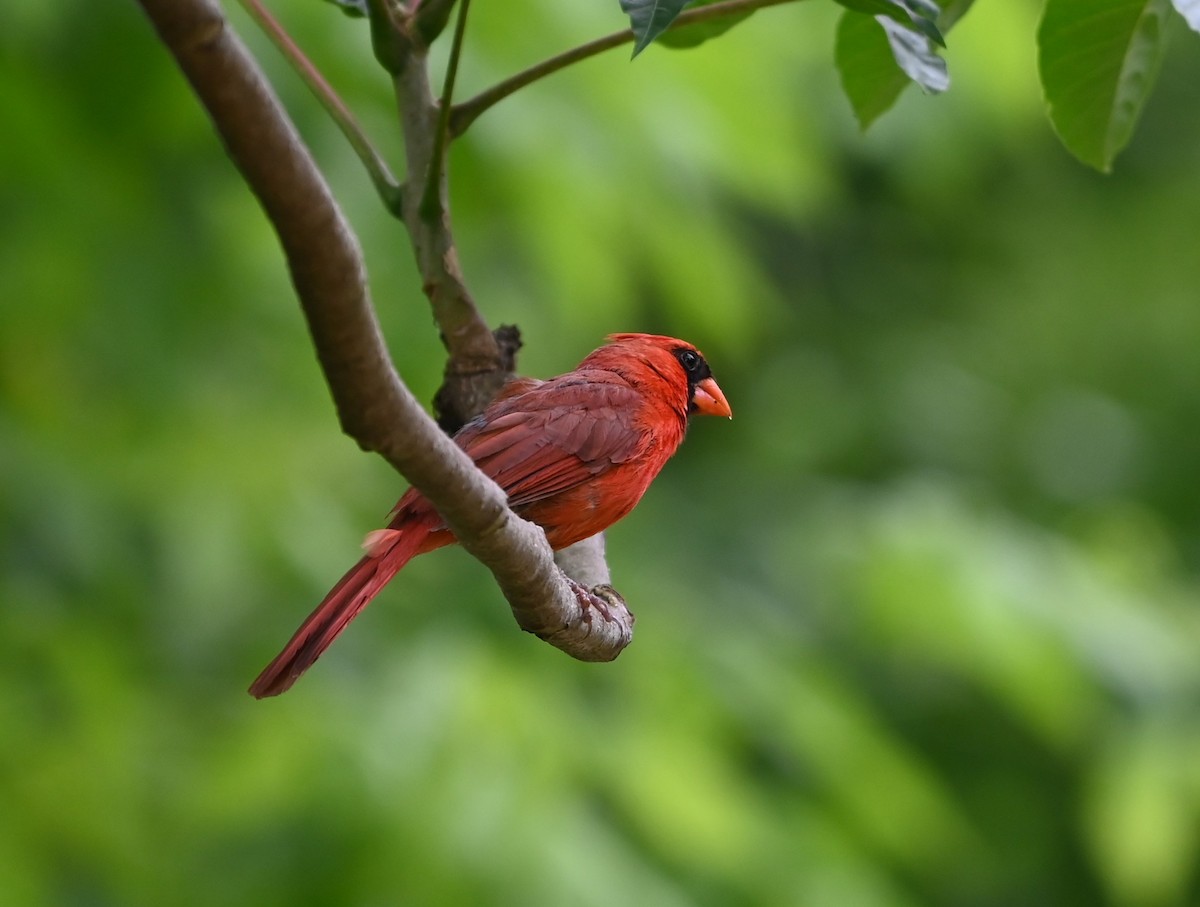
679, 363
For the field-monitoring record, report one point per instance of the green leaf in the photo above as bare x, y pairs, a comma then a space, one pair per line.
870, 77
1190, 10
916, 15
1098, 60
877, 60
914, 54
696, 34
650, 18
355, 9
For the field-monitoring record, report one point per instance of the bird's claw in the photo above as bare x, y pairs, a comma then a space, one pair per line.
602, 599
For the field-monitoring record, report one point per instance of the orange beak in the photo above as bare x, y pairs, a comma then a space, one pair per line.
709, 400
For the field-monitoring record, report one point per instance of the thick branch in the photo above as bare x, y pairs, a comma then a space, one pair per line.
373, 405
322, 254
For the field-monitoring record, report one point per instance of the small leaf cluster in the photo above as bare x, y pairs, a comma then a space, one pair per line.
1097, 59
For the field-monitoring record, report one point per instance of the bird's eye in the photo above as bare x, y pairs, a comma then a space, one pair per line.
691, 361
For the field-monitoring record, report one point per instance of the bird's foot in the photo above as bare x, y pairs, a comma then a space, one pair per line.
603, 600
585, 637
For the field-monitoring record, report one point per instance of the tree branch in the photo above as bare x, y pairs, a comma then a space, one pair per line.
464, 114
480, 362
373, 405
431, 200
476, 368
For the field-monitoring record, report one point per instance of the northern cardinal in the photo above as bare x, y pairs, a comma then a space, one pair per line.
574, 454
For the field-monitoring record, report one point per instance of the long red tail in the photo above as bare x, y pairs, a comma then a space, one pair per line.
388, 551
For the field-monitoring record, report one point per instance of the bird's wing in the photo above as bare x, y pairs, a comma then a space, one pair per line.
555, 435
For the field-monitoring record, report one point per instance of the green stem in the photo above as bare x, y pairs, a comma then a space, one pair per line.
431, 201
430, 18
385, 184
390, 40
468, 111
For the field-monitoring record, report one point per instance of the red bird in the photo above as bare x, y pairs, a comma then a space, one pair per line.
574, 454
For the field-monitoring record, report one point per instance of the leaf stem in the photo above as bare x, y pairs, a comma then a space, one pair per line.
431, 201
385, 184
390, 40
431, 17
464, 114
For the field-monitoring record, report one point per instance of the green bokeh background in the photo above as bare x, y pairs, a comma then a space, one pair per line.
919, 627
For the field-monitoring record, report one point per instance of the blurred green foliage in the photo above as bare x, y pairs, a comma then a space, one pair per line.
919, 627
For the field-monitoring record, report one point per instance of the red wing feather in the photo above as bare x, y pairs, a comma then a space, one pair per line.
555, 436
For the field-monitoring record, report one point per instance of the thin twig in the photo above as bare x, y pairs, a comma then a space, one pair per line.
377, 168
431, 200
472, 347
464, 114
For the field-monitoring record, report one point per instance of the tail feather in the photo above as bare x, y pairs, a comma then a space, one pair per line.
353, 592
